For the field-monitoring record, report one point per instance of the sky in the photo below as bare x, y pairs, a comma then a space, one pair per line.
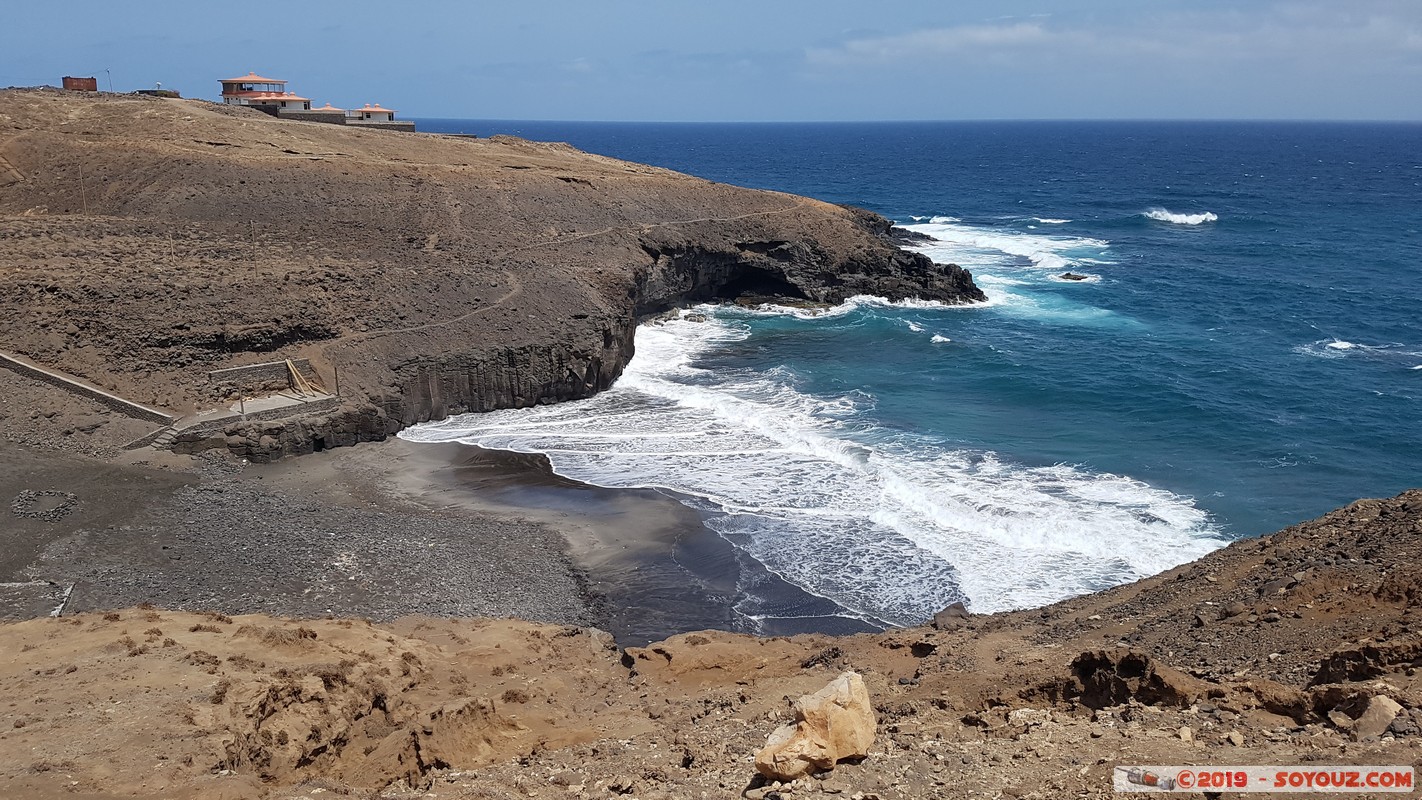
769, 60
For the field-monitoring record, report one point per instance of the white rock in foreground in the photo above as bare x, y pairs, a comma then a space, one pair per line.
1379, 714
833, 724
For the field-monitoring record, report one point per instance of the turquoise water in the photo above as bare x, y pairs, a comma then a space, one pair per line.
1245, 353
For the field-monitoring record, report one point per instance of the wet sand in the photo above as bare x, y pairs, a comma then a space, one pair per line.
652, 566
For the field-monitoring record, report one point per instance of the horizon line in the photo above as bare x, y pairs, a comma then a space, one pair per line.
1247, 120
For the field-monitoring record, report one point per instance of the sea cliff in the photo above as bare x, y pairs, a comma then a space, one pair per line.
150, 241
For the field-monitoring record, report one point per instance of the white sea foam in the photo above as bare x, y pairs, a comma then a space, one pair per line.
855, 303
1050, 221
1391, 352
1162, 215
999, 281
1006, 264
891, 526
939, 339
1012, 298
1324, 348
974, 246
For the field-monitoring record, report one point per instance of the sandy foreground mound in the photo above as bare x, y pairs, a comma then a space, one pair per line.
1270, 651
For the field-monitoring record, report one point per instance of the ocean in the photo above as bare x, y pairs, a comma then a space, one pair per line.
1242, 352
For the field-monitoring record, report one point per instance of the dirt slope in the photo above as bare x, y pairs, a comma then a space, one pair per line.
144, 241
1043, 704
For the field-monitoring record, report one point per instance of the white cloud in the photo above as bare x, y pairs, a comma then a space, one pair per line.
1377, 31
932, 42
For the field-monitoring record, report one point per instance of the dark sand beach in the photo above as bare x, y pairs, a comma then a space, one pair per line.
653, 569
326, 535
379, 530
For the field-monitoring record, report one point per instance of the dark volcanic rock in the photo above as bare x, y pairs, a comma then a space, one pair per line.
1112, 677
906, 236
954, 616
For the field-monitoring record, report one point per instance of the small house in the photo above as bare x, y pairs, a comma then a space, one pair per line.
371, 113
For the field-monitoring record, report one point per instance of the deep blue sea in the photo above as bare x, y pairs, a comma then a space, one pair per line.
1245, 353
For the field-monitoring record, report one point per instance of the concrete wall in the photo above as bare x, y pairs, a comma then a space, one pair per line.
312, 116
397, 125
112, 401
340, 119
265, 371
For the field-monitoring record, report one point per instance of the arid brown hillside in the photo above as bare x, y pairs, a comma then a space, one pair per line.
1267, 652
144, 241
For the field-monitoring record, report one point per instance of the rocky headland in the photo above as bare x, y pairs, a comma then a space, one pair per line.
145, 242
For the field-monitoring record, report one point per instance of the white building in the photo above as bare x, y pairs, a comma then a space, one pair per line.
267, 93
371, 113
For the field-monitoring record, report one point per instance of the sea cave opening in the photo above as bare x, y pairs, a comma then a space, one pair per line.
753, 282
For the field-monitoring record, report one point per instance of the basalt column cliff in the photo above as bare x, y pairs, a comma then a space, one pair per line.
149, 242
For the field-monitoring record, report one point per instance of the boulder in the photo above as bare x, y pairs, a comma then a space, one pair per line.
1379, 714
833, 724
951, 617
1107, 678
1278, 586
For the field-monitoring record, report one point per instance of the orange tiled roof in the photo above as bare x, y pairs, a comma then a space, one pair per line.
269, 96
251, 77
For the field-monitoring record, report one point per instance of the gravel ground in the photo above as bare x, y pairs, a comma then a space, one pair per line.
235, 546
212, 533
39, 416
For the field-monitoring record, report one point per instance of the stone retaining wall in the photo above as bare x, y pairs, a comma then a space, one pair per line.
312, 116
126, 407
266, 371
397, 125
301, 115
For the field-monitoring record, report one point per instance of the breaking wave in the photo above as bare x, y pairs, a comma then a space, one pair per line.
1008, 264
1162, 215
975, 246
890, 525
1396, 352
